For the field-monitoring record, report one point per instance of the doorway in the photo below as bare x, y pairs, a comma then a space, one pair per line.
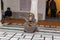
52, 16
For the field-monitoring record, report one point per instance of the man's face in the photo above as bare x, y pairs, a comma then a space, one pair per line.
8, 9
30, 14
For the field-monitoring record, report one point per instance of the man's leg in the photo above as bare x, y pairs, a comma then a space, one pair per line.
3, 18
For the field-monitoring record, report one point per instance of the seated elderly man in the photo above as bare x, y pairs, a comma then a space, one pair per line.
30, 25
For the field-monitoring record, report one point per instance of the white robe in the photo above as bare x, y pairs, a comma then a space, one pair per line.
30, 29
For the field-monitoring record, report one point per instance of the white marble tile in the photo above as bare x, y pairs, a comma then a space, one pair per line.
10, 33
14, 39
24, 39
56, 36
19, 34
30, 37
1, 33
38, 39
31, 34
57, 39
5, 38
48, 38
37, 36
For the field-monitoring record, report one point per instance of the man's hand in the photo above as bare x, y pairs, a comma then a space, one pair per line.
25, 30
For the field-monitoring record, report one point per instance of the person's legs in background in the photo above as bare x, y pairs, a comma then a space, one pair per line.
53, 13
3, 18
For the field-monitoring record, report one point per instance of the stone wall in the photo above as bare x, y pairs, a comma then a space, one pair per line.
19, 15
23, 15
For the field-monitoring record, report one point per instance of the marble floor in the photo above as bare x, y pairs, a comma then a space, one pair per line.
41, 28
15, 32
6, 34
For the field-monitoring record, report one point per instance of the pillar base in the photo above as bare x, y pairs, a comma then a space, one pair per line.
0, 24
